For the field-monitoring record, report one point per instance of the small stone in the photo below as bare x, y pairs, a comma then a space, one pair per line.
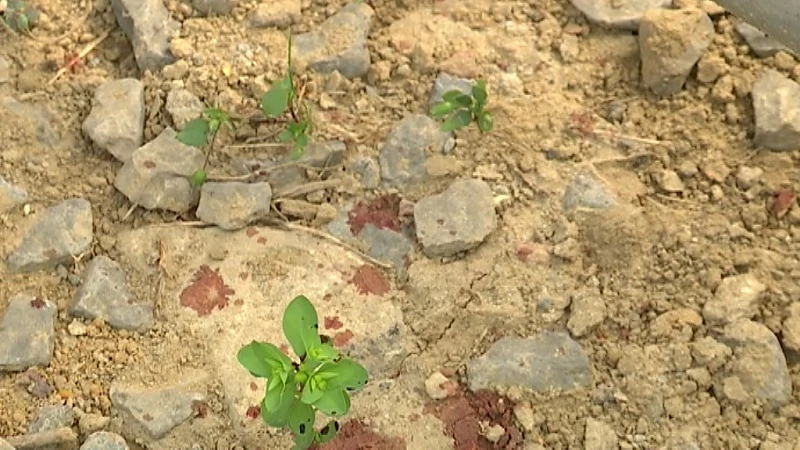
63, 231
445, 83
624, 14
220, 7
670, 182
543, 363
52, 417
104, 294
434, 386
91, 423
747, 177
587, 191
790, 331
116, 121
599, 436
367, 170
183, 106
103, 440
671, 43
710, 68
679, 323
11, 196
50, 439
762, 45
494, 433
322, 155
709, 352
402, 157
776, 111
277, 14
77, 328
27, 333
457, 220
149, 28
157, 410
234, 205
737, 297
587, 312
176, 71
525, 416
298, 209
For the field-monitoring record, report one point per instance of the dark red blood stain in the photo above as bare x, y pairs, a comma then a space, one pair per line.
253, 386
208, 291
253, 412
250, 232
147, 417
382, 212
333, 323
369, 280
200, 409
782, 202
150, 164
354, 435
464, 412
262, 240
38, 303
342, 338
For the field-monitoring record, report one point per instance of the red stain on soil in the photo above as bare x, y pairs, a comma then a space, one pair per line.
38, 303
150, 164
382, 212
147, 417
285, 349
342, 338
250, 232
253, 386
464, 412
369, 280
207, 291
354, 435
200, 409
333, 323
782, 202
262, 241
253, 412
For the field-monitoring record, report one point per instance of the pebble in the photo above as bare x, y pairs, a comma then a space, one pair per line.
183, 106
403, 155
661, 32
761, 44
149, 28
545, 362
116, 121
588, 310
103, 440
587, 191
52, 417
156, 410
670, 182
737, 297
599, 436
277, 14
624, 14
709, 352
11, 196
777, 114
57, 439
27, 333
434, 386
747, 177
234, 205
457, 220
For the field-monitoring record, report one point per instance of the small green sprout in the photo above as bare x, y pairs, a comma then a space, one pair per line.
322, 380
17, 17
201, 131
462, 109
281, 98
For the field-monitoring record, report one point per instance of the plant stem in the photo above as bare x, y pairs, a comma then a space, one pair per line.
210, 149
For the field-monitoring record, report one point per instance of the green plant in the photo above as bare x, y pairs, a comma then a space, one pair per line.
322, 380
462, 109
203, 131
17, 17
282, 97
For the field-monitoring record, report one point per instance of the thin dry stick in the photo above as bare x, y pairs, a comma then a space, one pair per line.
629, 138
82, 54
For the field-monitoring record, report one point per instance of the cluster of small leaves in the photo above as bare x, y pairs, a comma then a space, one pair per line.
461, 109
17, 16
322, 380
282, 98
203, 131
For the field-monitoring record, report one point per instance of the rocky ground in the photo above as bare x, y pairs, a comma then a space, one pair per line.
614, 266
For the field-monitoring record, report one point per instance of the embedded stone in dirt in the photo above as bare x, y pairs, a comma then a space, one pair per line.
116, 121
625, 14
599, 436
183, 106
339, 43
157, 174
367, 171
11, 196
402, 157
776, 111
278, 13
52, 417
151, 413
59, 438
546, 362
587, 310
234, 205
149, 27
761, 44
27, 333
387, 245
104, 294
457, 220
214, 6
354, 435
63, 231
445, 83
758, 362
322, 155
737, 297
586, 190
671, 43
103, 440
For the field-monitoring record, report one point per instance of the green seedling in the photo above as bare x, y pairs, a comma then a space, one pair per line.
18, 17
461, 109
321, 380
203, 131
282, 98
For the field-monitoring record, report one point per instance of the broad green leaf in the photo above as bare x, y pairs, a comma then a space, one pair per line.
262, 359
463, 100
442, 109
327, 432
286, 136
458, 120
297, 152
301, 140
301, 325
199, 177
345, 374
301, 422
312, 391
277, 404
451, 95
276, 100
479, 91
323, 353
194, 133
485, 121
334, 403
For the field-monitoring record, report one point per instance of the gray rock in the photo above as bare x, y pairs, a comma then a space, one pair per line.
402, 157
60, 438
457, 220
155, 411
158, 174
599, 436
736, 297
587, 311
625, 14
234, 205
214, 6
52, 417
587, 191
63, 231
758, 362
103, 440
777, 112
27, 333
116, 122
367, 171
339, 43
543, 363
149, 27
761, 44
386, 245
104, 294
11, 196
445, 83
671, 42
383, 350
277, 13
183, 106
40, 118
321, 155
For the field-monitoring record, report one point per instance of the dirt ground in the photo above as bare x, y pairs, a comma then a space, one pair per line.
564, 109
